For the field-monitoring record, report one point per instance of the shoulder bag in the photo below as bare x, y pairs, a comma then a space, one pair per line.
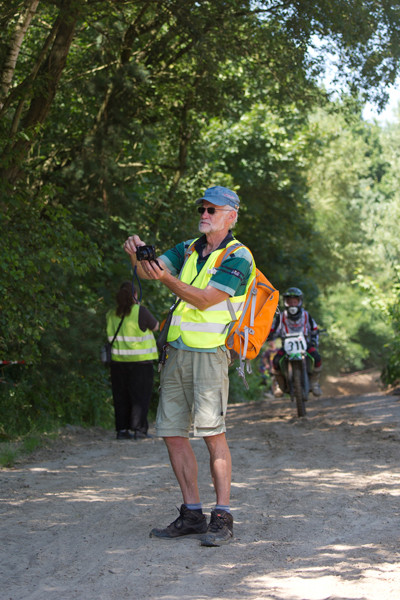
105, 353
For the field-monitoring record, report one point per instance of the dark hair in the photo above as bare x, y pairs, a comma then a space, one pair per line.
125, 299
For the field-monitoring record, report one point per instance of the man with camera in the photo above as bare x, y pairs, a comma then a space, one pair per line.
194, 378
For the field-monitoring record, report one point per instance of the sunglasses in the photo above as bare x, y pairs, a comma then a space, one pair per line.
211, 210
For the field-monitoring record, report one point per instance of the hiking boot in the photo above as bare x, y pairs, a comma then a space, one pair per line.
189, 522
219, 530
314, 382
316, 389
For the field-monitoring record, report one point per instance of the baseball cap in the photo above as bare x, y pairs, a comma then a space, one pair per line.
220, 196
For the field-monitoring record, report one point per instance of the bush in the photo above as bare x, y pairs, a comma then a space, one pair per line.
38, 403
237, 390
391, 370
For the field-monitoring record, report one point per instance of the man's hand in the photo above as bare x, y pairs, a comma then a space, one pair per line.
153, 269
131, 244
145, 269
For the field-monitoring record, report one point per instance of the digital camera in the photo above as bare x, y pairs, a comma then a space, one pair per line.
146, 253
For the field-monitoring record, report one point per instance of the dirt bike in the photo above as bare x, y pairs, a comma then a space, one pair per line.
295, 366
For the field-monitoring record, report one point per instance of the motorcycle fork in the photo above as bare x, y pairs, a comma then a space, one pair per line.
286, 368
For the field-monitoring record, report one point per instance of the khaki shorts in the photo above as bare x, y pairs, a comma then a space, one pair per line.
194, 389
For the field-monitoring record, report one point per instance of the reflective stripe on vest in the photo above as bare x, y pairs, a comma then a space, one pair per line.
203, 328
131, 344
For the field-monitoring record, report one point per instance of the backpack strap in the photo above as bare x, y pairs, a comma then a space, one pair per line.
188, 252
223, 256
229, 250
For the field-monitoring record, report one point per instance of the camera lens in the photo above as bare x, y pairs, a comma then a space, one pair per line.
146, 253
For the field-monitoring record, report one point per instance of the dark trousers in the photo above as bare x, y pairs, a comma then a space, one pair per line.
132, 386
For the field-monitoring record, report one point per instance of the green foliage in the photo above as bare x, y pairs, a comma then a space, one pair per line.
43, 400
42, 252
8, 455
391, 372
351, 204
10, 452
237, 390
355, 333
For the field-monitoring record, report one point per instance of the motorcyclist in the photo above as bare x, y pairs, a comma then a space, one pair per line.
295, 319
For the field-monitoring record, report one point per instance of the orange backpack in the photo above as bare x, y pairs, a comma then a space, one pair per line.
247, 334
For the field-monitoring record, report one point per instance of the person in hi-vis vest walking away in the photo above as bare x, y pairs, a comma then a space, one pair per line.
132, 354
194, 377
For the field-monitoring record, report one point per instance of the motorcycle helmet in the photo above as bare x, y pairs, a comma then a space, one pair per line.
294, 311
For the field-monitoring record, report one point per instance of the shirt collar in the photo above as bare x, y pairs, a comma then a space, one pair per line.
202, 241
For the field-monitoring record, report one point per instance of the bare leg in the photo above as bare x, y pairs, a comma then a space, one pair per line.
220, 466
184, 464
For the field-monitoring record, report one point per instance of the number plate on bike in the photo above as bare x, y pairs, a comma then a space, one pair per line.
295, 343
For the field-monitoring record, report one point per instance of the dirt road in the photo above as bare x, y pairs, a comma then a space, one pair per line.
315, 502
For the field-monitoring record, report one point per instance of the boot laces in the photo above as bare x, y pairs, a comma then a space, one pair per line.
216, 522
179, 520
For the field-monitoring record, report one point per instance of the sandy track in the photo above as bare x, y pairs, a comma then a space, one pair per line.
315, 502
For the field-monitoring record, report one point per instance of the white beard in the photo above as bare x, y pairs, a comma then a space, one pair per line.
209, 227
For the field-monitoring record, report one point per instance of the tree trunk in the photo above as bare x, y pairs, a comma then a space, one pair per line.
49, 74
10, 61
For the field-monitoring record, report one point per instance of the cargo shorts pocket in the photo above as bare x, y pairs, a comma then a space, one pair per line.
211, 388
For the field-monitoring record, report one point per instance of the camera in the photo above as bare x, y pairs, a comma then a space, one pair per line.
146, 253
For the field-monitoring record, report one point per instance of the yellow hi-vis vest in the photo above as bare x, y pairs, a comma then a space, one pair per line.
131, 344
204, 328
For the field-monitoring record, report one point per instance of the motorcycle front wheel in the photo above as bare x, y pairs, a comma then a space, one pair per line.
298, 389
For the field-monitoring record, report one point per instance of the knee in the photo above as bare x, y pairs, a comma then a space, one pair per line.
312, 351
216, 444
175, 443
